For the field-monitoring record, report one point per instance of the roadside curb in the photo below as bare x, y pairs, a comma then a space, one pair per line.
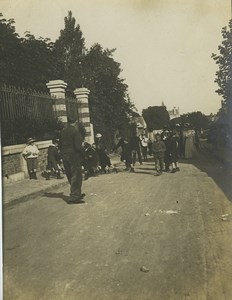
36, 193
39, 192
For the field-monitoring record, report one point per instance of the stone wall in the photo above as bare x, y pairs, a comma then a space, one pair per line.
14, 166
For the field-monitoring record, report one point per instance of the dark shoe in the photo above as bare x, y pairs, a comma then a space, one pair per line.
34, 176
178, 169
127, 169
58, 176
77, 199
132, 170
115, 170
47, 175
173, 171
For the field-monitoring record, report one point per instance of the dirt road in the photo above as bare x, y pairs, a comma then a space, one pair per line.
137, 237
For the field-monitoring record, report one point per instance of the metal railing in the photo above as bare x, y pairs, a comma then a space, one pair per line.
25, 113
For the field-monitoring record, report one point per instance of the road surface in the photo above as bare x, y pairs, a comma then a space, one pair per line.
137, 237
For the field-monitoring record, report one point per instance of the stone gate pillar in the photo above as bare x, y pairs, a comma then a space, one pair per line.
57, 89
83, 110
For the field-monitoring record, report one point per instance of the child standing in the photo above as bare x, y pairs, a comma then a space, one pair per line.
30, 154
158, 149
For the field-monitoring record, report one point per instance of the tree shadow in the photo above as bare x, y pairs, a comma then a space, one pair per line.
219, 172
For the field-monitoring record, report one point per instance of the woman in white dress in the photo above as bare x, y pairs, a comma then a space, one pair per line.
189, 143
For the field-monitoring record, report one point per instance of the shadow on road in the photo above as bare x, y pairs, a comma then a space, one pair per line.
215, 169
56, 195
61, 196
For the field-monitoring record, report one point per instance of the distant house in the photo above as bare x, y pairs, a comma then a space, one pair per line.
174, 113
140, 124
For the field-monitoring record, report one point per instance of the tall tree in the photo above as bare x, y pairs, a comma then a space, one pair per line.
69, 51
26, 62
156, 117
10, 51
109, 101
224, 74
38, 65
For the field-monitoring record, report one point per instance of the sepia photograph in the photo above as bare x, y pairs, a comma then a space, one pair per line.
116, 149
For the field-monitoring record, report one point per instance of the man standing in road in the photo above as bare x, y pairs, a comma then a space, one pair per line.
72, 151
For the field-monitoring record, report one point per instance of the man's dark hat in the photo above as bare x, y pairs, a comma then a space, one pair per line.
71, 120
86, 145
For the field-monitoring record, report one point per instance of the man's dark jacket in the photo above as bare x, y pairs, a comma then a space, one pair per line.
71, 141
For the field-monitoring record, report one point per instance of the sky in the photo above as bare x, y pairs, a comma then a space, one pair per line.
164, 46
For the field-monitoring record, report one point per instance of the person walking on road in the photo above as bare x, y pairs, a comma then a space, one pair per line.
135, 146
167, 154
158, 148
72, 151
126, 154
174, 152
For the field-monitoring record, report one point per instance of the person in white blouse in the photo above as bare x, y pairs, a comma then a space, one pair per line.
30, 154
144, 145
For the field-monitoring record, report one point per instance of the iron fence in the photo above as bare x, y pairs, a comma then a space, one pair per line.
26, 113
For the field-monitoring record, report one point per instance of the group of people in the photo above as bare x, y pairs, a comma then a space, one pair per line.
70, 155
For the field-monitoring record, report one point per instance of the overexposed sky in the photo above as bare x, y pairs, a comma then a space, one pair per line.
164, 46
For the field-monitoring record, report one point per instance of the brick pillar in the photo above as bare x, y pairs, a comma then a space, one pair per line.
57, 90
83, 110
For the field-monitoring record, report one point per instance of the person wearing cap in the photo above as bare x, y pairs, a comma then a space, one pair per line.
53, 160
30, 154
70, 145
